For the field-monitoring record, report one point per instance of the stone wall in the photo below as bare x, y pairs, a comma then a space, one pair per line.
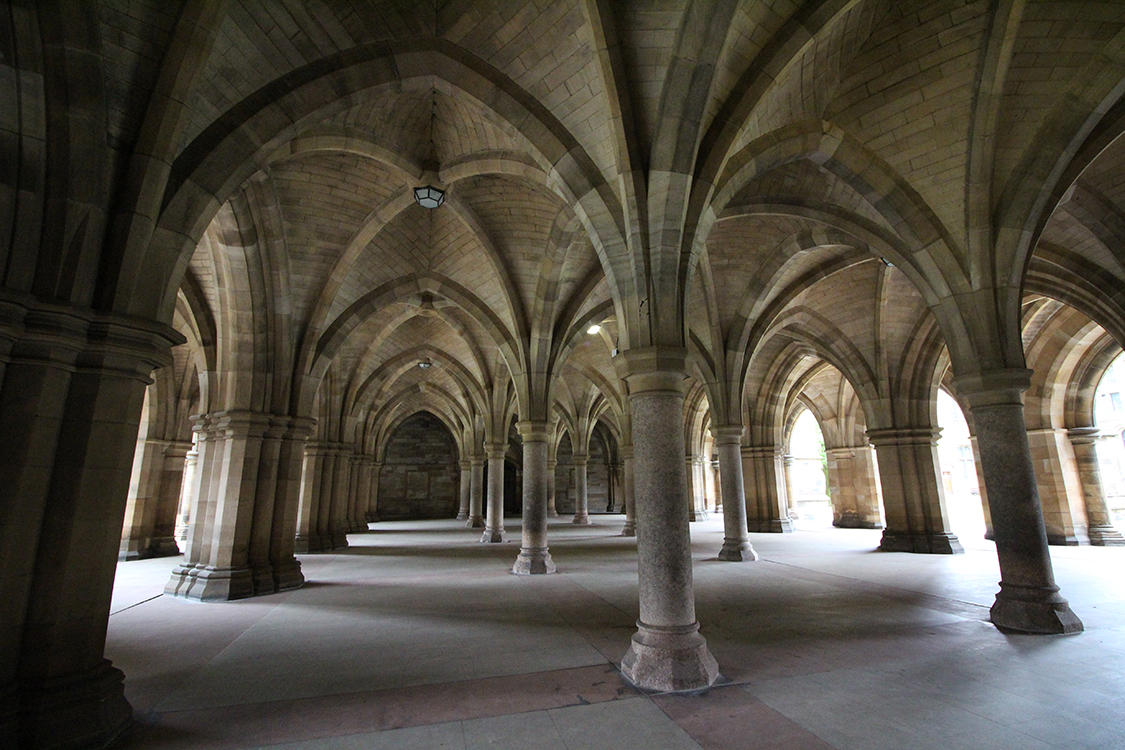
421, 476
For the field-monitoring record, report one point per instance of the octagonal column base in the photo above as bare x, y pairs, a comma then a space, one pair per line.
737, 550
533, 561
669, 659
494, 536
1026, 609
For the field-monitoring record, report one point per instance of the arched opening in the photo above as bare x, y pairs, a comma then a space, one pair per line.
420, 476
958, 470
1109, 416
808, 473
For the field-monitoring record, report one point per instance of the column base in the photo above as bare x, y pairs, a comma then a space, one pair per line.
552, 513
936, 543
737, 550
849, 519
1067, 540
84, 710
1106, 536
463, 516
669, 659
475, 522
207, 584
1027, 609
494, 536
359, 527
630, 529
697, 515
157, 547
533, 561
373, 518
288, 576
581, 519
306, 545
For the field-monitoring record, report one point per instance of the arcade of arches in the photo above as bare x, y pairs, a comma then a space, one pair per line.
668, 228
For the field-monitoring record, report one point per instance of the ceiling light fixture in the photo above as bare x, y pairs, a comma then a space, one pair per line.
595, 328
429, 195
425, 364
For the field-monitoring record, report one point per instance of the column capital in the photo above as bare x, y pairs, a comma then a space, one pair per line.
495, 450
465, 464
904, 436
537, 431
655, 369
1084, 435
994, 387
579, 459
730, 434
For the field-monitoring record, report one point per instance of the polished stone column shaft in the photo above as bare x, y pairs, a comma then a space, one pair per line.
463, 490
1084, 441
1028, 601
494, 526
736, 542
534, 557
667, 652
183, 518
581, 497
476, 493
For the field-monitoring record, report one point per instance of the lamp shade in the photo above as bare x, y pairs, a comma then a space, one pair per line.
429, 196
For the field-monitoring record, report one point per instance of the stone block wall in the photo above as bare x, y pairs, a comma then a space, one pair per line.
421, 477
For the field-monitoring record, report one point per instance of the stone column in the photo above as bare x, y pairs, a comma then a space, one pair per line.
630, 528
239, 541
1100, 522
72, 385
1028, 600
610, 481
463, 490
551, 466
357, 517
787, 463
187, 499
534, 557
697, 497
581, 500
476, 493
312, 517
736, 542
1059, 487
913, 494
667, 652
339, 522
494, 526
853, 487
373, 498
716, 488
153, 501
364, 470
767, 504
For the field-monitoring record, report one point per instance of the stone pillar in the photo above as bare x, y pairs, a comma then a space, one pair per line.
153, 501
494, 526
187, 499
978, 465
767, 504
362, 468
534, 557
581, 500
913, 494
246, 498
610, 485
715, 484
667, 652
1059, 487
373, 498
72, 385
630, 528
736, 542
463, 490
854, 488
1028, 600
1100, 521
312, 520
787, 463
339, 522
551, 466
476, 493
696, 497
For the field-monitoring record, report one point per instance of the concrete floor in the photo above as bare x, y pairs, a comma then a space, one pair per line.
418, 637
